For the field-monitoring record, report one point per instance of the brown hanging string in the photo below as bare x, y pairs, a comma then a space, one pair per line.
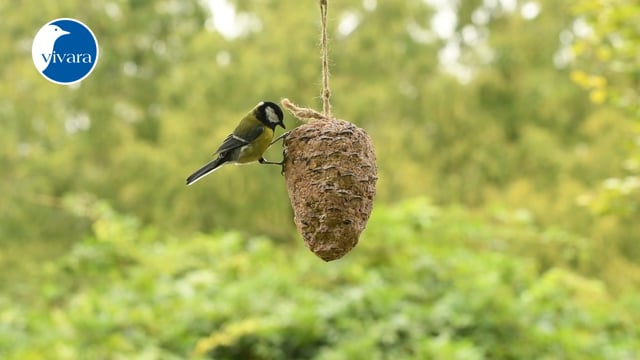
326, 91
310, 114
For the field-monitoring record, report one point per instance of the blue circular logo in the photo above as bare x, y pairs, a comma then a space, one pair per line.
65, 51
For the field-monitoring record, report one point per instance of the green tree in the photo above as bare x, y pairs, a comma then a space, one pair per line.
605, 46
479, 111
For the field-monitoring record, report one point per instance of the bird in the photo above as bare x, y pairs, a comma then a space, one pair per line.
248, 142
43, 44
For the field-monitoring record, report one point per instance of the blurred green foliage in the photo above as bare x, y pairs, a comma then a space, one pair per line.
414, 289
519, 121
169, 88
608, 67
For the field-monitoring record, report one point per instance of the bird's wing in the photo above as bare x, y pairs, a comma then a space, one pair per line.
234, 141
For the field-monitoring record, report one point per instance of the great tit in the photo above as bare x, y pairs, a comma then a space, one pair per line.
248, 142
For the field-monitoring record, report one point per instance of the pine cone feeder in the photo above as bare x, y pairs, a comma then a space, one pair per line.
330, 170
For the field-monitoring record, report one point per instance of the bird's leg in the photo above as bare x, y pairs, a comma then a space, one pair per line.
267, 162
281, 163
283, 135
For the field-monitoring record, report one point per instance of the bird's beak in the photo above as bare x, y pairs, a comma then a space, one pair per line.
64, 32
281, 123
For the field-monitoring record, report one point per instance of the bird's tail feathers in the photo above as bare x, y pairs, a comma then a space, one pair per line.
207, 169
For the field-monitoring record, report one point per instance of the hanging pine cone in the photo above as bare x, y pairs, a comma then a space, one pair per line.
331, 173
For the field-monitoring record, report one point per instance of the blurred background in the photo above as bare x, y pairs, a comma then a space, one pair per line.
505, 224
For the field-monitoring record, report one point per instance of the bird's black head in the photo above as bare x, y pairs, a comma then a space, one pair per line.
270, 114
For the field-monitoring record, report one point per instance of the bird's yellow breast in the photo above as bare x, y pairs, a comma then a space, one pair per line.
253, 151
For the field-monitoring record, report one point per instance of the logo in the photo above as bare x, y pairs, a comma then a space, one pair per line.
65, 51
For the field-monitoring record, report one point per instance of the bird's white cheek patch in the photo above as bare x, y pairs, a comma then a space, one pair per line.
271, 115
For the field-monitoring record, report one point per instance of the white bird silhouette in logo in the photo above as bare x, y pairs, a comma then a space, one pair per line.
42, 48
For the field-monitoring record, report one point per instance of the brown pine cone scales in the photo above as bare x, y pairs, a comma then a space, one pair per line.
330, 170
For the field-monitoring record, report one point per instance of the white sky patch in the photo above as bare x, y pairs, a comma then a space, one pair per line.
617, 41
130, 68
445, 19
491, 4
508, 5
581, 28
24, 149
349, 22
480, 16
77, 122
530, 10
159, 47
563, 57
449, 53
223, 58
370, 5
444, 22
113, 10
127, 112
443, 25
449, 57
419, 34
228, 22
566, 37
407, 89
470, 34
440, 4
